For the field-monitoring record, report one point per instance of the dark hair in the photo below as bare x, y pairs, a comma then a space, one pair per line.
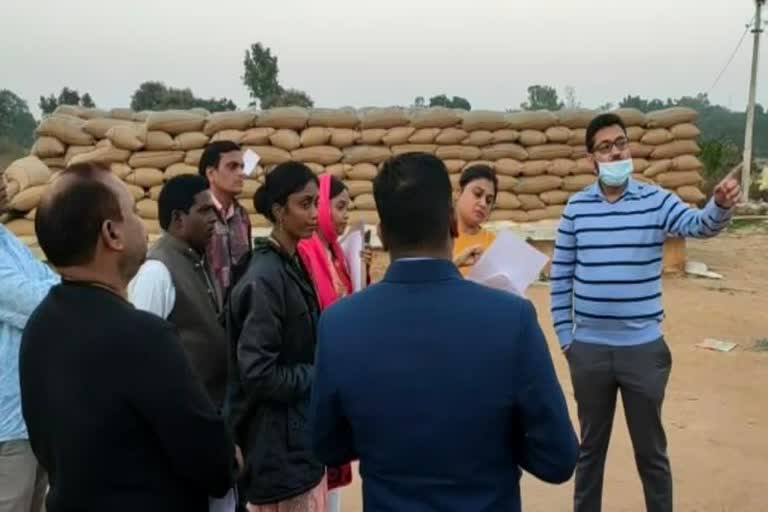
282, 181
212, 154
68, 222
414, 199
479, 172
178, 194
600, 122
337, 186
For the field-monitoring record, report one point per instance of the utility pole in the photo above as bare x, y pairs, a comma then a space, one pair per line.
748, 134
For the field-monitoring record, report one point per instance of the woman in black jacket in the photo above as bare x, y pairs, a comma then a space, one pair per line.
273, 318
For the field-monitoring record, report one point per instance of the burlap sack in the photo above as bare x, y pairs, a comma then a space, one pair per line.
152, 227
537, 215
584, 166
358, 187
554, 211
371, 154
21, 227
553, 197
257, 136
517, 216
538, 184
475, 163
250, 186
424, 136
561, 167
325, 155
248, 206
384, 118
657, 167
68, 130
288, 118
11, 189
686, 163
578, 182
315, 136
505, 135
398, 135
414, 148
104, 154
640, 164
93, 113
220, 121
454, 166
235, 136
559, 134
154, 192
531, 202
155, 159
642, 178
27, 172
508, 167
656, 137
338, 170
691, 194
478, 138
145, 177
640, 150
104, 143
175, 122
466, 153
48, 147
685, 131
631, 117
677, 179
270, 155
27, 199
483, 120
334, 118
259, 221
147, 209
367, 217
131, 137
122, 171
550, 152
285, 139
578, 137
193, 157
372, 137
159, 141
179, 169
532, 138
455, 179
504, 150
55, 163
533, 120
579, 152
99, 127
365, 202
676, 148
635, 133
125, 114
506, 183
344, 137
190, 141
435, 117
68, 110
535, 167
363, 171
451, 136
576, 118
136, 192
671, 116
508, 201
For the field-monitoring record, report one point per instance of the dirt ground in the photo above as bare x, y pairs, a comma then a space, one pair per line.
715, 410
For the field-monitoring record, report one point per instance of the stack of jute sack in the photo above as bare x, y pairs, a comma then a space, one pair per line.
539, 157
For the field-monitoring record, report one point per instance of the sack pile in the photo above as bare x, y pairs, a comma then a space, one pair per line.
540, 157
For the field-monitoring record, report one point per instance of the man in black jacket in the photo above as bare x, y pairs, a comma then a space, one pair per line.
115, 414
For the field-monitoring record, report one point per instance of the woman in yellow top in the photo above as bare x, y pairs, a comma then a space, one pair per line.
478, 187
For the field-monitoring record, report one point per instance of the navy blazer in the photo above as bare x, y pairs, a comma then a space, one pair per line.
443, 389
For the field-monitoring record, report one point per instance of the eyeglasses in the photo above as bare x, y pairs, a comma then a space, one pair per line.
604, 148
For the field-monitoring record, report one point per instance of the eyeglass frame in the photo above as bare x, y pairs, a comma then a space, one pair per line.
605, 148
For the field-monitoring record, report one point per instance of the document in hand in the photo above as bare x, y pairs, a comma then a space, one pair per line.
352, 245
250, 161
509, 264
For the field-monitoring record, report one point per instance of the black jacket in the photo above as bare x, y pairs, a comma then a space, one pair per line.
272, 320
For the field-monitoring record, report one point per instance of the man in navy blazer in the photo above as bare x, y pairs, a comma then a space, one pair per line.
442, 388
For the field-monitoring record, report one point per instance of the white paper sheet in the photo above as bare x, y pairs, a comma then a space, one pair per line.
509, 264
250, 161
352, 245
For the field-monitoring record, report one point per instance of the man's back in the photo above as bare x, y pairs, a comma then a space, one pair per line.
442, 388
114, 412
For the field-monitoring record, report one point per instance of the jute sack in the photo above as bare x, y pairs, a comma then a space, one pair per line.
561, 167
363, 171
220, 121
506, 183
288, 118
178, 170
676, 148
451, 136
27, 172
508, 201
555, 211
579, 152
508, 167
691, 194
371, 154
68, 110
535, 167
677, 179
136, 192
483, 120
334, 118
631, 117
537, 215
285, 139
505, 135
175, 122
21, 227
154, 192
532, 138
159, 141
93, 113
55, 163
584, 166
120, 170
325, 155
475, 163
248, 205
455, 179
156, 159
640, 164
553, 197
384, 118
259, 221
478, 138
344, 137
368, 217
504, 150
578, 182
365, 202
576, 118
48, 147
372, 137
517, 216
235, 136
145, 177
685, 131
147, 209
538, 184
686, 163
398, 135
414, 148
130, 137
68, 130
635, 133
338, 170
270, 155
257, 136
424, 136
250, 186
657, 167
550, 152
315, 136
358, 187
657, 136
671, 116
640, 150
190, 141
193, 157
104, 154
558, 134
27, 199
533, 120
99, 127
455, 166
435, 117
531, 202
316, 168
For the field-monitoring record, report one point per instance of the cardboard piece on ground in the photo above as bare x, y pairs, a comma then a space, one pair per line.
717, 345
698, 269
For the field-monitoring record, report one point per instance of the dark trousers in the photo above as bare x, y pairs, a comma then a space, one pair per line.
640, 373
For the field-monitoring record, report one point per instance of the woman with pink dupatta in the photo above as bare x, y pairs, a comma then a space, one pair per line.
323, 257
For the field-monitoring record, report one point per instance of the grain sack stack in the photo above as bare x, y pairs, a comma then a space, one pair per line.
539, 157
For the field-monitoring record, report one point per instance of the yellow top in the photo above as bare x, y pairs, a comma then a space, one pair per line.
482, 238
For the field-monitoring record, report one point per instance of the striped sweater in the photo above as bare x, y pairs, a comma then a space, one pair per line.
606, 270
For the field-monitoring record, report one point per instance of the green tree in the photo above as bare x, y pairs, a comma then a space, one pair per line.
542, 97
442, 100
718, 158
288, 98
87, 101
157, 96
605, 107
419, 102
67, 96
641, 104
260, 76
16, 121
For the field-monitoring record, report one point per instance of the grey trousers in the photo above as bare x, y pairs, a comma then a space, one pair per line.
23, 483
640, 373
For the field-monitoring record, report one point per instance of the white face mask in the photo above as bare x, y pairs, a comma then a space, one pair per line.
615, 174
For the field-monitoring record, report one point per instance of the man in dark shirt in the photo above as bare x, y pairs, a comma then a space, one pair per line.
115, 414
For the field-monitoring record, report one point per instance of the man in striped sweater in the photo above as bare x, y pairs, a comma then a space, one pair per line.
607, 311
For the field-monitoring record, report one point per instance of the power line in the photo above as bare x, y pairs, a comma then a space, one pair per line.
733, 55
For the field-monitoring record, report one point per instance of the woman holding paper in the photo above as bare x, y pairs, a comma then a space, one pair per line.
478, 188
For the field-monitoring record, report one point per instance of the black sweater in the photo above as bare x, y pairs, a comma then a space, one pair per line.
114, 412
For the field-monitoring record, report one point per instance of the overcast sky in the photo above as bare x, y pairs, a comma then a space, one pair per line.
363, 52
